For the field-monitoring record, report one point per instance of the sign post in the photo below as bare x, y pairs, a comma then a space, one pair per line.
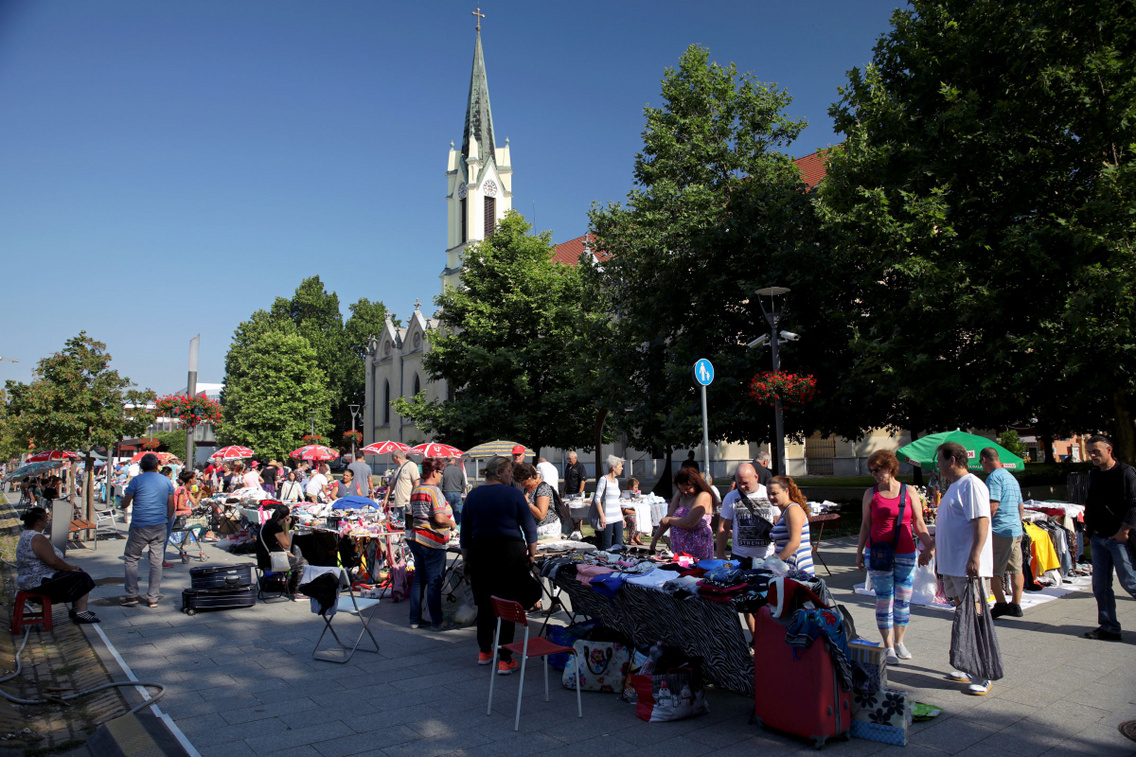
704, 375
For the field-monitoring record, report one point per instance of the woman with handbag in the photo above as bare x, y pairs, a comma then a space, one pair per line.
893, 513
539, 496
275, 550
291, 491
608, 518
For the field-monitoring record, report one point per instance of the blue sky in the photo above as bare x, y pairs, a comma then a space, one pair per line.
167, 168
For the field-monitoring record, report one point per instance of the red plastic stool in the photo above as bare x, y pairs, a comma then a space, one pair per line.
21, 617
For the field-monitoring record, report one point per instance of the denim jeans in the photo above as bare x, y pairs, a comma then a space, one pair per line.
455, 500
611, 535
1109, 554
429, 565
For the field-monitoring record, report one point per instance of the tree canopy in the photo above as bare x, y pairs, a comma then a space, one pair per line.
717, 212
507, 345
76, 402
979, 220
273, 384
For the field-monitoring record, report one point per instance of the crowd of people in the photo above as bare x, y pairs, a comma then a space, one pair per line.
976, 541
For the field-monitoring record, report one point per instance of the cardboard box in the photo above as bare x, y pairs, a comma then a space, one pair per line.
869, 665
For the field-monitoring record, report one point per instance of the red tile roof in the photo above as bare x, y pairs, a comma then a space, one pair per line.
812, 168
569, 252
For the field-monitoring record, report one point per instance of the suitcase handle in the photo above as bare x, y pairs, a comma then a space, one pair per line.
233, 580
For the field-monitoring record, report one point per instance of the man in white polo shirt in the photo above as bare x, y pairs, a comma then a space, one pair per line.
962, 546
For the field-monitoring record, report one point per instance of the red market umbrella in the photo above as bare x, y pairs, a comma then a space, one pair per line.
232, 452
51, 456
384, 448
314, 452
163, 457
435, 449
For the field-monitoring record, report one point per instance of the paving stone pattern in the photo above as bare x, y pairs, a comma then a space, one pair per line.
242, 682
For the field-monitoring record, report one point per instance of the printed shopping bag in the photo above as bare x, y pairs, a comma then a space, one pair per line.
675, 695
566, 636
974, 647
604, 666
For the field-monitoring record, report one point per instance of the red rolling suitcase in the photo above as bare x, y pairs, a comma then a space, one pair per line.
799, 696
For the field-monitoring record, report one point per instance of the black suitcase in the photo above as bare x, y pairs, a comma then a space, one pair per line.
193, 600
223, 577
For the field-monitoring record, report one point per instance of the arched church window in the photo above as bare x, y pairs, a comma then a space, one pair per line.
386, 402
417, 384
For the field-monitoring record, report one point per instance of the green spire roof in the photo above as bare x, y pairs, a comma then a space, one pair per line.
478, 116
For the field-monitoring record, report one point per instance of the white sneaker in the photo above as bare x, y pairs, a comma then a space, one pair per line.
979, 688
901, 651
958, 675
892, 659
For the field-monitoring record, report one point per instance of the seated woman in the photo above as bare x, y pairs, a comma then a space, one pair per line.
539, 496
689, 516
40, 567
791, 533
630, 524
274, 537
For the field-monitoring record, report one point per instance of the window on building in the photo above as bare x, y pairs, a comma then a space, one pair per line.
490, 216
417, 384
386, 403
465, 221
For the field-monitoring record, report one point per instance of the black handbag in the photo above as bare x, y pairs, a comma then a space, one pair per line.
881, 557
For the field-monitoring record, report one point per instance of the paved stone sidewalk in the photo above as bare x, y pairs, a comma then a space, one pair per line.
242, 682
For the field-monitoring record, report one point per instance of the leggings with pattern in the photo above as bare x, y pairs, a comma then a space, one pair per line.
893, 592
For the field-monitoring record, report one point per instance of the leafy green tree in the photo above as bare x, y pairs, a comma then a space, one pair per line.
77, 402
979, 224
1013, 443
506, 346
273, 384
172, 442
717, 212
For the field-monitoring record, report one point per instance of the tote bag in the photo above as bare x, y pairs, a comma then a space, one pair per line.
604, 666
974, 647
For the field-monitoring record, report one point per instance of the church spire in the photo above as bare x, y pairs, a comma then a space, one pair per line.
478, 116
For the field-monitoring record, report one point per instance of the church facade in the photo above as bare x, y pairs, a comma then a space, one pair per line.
479, 192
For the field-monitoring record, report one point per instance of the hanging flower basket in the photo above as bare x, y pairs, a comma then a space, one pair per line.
312, 439
191, 411
352, 436
150, 443
792, 389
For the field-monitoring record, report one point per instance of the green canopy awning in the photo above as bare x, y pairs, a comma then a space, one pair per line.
921, 452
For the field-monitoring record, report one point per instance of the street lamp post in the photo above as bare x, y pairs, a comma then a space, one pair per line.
773, 311
354, 411
191, 391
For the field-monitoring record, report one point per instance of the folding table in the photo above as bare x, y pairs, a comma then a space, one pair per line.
351, 605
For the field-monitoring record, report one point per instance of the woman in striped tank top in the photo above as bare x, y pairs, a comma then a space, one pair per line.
791, 533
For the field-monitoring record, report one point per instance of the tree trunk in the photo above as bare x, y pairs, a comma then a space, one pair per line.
918, 469
1123, 432
663, 487
601, 416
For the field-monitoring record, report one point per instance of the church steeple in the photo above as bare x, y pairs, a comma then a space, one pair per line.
479, 176
478, 116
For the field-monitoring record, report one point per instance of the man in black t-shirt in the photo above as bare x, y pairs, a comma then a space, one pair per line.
761, 465
1110, 522
575, 476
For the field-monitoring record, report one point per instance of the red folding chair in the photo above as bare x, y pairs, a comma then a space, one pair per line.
512, 612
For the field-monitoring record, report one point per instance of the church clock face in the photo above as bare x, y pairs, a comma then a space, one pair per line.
490, 188
462, 190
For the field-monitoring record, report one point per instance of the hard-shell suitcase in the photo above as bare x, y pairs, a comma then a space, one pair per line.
193, 600
222, 577
800, 696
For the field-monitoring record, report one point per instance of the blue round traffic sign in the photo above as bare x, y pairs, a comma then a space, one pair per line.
704, 372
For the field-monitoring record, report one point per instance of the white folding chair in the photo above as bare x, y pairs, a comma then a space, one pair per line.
341, 653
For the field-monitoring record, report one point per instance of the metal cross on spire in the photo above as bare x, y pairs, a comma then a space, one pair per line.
479, 16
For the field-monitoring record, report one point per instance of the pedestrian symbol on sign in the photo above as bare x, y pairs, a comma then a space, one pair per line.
704, 372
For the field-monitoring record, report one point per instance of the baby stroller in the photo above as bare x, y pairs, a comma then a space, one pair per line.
186, 538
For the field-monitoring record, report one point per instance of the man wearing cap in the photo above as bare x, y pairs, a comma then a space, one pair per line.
152, 496
518, 458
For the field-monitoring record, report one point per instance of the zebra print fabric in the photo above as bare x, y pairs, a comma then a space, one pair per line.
698, 627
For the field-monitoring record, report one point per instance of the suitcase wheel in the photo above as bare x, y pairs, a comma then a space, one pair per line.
819, 741
190, 611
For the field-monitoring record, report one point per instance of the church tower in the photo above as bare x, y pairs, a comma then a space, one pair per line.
479, 177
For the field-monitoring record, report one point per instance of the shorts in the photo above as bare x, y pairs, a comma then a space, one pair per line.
955, 586
1007, 554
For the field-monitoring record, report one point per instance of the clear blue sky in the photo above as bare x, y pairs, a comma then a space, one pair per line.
167, 168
